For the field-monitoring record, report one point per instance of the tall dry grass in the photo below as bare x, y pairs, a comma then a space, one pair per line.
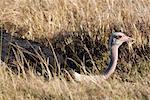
46, 18
15, 87
37, 19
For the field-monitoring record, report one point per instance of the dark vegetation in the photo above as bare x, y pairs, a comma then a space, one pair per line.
69, 51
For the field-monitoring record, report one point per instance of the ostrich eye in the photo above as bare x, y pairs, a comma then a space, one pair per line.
118, 37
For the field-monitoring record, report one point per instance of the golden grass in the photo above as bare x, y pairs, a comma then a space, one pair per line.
37, 19
15, 87
47, 18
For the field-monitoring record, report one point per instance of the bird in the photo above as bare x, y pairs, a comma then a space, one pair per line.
32, 51
115, 41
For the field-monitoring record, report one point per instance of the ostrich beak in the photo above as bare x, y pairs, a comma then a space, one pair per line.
129, 39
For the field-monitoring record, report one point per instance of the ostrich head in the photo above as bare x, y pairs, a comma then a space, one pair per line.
117, 38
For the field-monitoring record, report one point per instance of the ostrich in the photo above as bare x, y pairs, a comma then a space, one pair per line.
115, 41
29, 47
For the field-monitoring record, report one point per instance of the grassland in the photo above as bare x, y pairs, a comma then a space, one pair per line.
51, 19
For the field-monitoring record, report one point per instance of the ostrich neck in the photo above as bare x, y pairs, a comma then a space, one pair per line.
113, 62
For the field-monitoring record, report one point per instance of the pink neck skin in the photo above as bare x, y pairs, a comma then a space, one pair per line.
113, 62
